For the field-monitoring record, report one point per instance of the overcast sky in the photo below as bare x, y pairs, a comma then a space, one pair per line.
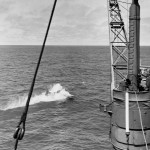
82, 22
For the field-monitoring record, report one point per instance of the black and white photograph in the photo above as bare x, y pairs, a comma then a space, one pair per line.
74, 74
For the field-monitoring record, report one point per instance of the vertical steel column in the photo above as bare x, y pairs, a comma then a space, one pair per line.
134, 48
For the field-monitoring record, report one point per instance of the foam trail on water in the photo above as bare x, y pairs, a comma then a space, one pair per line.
55, 93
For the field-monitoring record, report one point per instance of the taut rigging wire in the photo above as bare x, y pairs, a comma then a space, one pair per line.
20, 130
124, 2
141, 121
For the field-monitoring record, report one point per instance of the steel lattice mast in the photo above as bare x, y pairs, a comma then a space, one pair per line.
118, 44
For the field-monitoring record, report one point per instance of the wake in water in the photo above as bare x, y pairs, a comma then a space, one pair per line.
54, 93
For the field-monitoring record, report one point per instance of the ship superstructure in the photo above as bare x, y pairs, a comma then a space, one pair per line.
129, 109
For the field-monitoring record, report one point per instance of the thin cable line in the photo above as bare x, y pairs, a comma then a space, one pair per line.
124, 2
141, 121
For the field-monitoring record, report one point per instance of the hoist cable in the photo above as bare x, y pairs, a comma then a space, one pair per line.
141, 121
124, 2
20, 130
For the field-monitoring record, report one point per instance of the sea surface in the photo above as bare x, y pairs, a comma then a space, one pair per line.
54, 121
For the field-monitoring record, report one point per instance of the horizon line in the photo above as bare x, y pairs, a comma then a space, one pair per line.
55, 45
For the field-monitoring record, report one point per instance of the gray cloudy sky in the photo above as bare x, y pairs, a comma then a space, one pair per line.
79, 22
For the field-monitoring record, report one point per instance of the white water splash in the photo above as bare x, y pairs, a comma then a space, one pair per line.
54, 93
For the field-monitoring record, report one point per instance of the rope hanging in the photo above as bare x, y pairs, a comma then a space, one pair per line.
20, 130
141, 122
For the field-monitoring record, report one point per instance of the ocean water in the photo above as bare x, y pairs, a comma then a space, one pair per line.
54, 122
